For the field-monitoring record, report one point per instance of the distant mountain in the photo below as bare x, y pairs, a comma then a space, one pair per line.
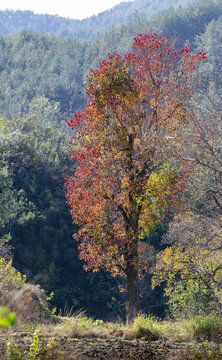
12, 22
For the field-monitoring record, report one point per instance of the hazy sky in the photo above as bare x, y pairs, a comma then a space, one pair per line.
74, 9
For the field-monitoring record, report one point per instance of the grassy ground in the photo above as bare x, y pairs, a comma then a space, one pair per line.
81, 338
199, 328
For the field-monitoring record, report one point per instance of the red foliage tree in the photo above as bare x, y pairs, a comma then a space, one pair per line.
124, 178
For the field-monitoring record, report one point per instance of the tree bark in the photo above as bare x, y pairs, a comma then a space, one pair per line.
133, 304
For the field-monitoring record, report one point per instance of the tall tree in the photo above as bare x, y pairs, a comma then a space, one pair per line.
124, 179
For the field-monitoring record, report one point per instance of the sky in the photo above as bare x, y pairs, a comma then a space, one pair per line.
73, 9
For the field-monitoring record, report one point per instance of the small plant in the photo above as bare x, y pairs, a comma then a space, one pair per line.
6, 317
36, 351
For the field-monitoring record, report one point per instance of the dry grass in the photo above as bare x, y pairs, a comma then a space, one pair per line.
198, 328
80, 326
147, 327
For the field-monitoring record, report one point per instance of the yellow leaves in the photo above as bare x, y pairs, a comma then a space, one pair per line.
3, 125
194, 262
124, 181
159, 193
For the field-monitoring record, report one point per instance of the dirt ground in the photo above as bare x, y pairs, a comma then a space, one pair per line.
65, 348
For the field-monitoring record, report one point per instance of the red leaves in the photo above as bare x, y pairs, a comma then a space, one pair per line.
185, 49
75, 121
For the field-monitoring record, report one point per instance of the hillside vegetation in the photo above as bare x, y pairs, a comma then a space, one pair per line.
12, 22
42, 81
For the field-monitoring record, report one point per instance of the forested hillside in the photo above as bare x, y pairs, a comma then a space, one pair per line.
11, 22
42, 81
61, 65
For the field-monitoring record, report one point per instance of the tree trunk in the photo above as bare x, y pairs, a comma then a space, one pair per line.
133, 304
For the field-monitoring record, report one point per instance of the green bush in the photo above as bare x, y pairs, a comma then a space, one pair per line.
10, 278
189, 298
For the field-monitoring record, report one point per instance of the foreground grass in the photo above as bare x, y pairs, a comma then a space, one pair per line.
198, 328
148, 327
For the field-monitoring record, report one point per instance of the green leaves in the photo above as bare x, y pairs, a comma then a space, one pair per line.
7, 318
